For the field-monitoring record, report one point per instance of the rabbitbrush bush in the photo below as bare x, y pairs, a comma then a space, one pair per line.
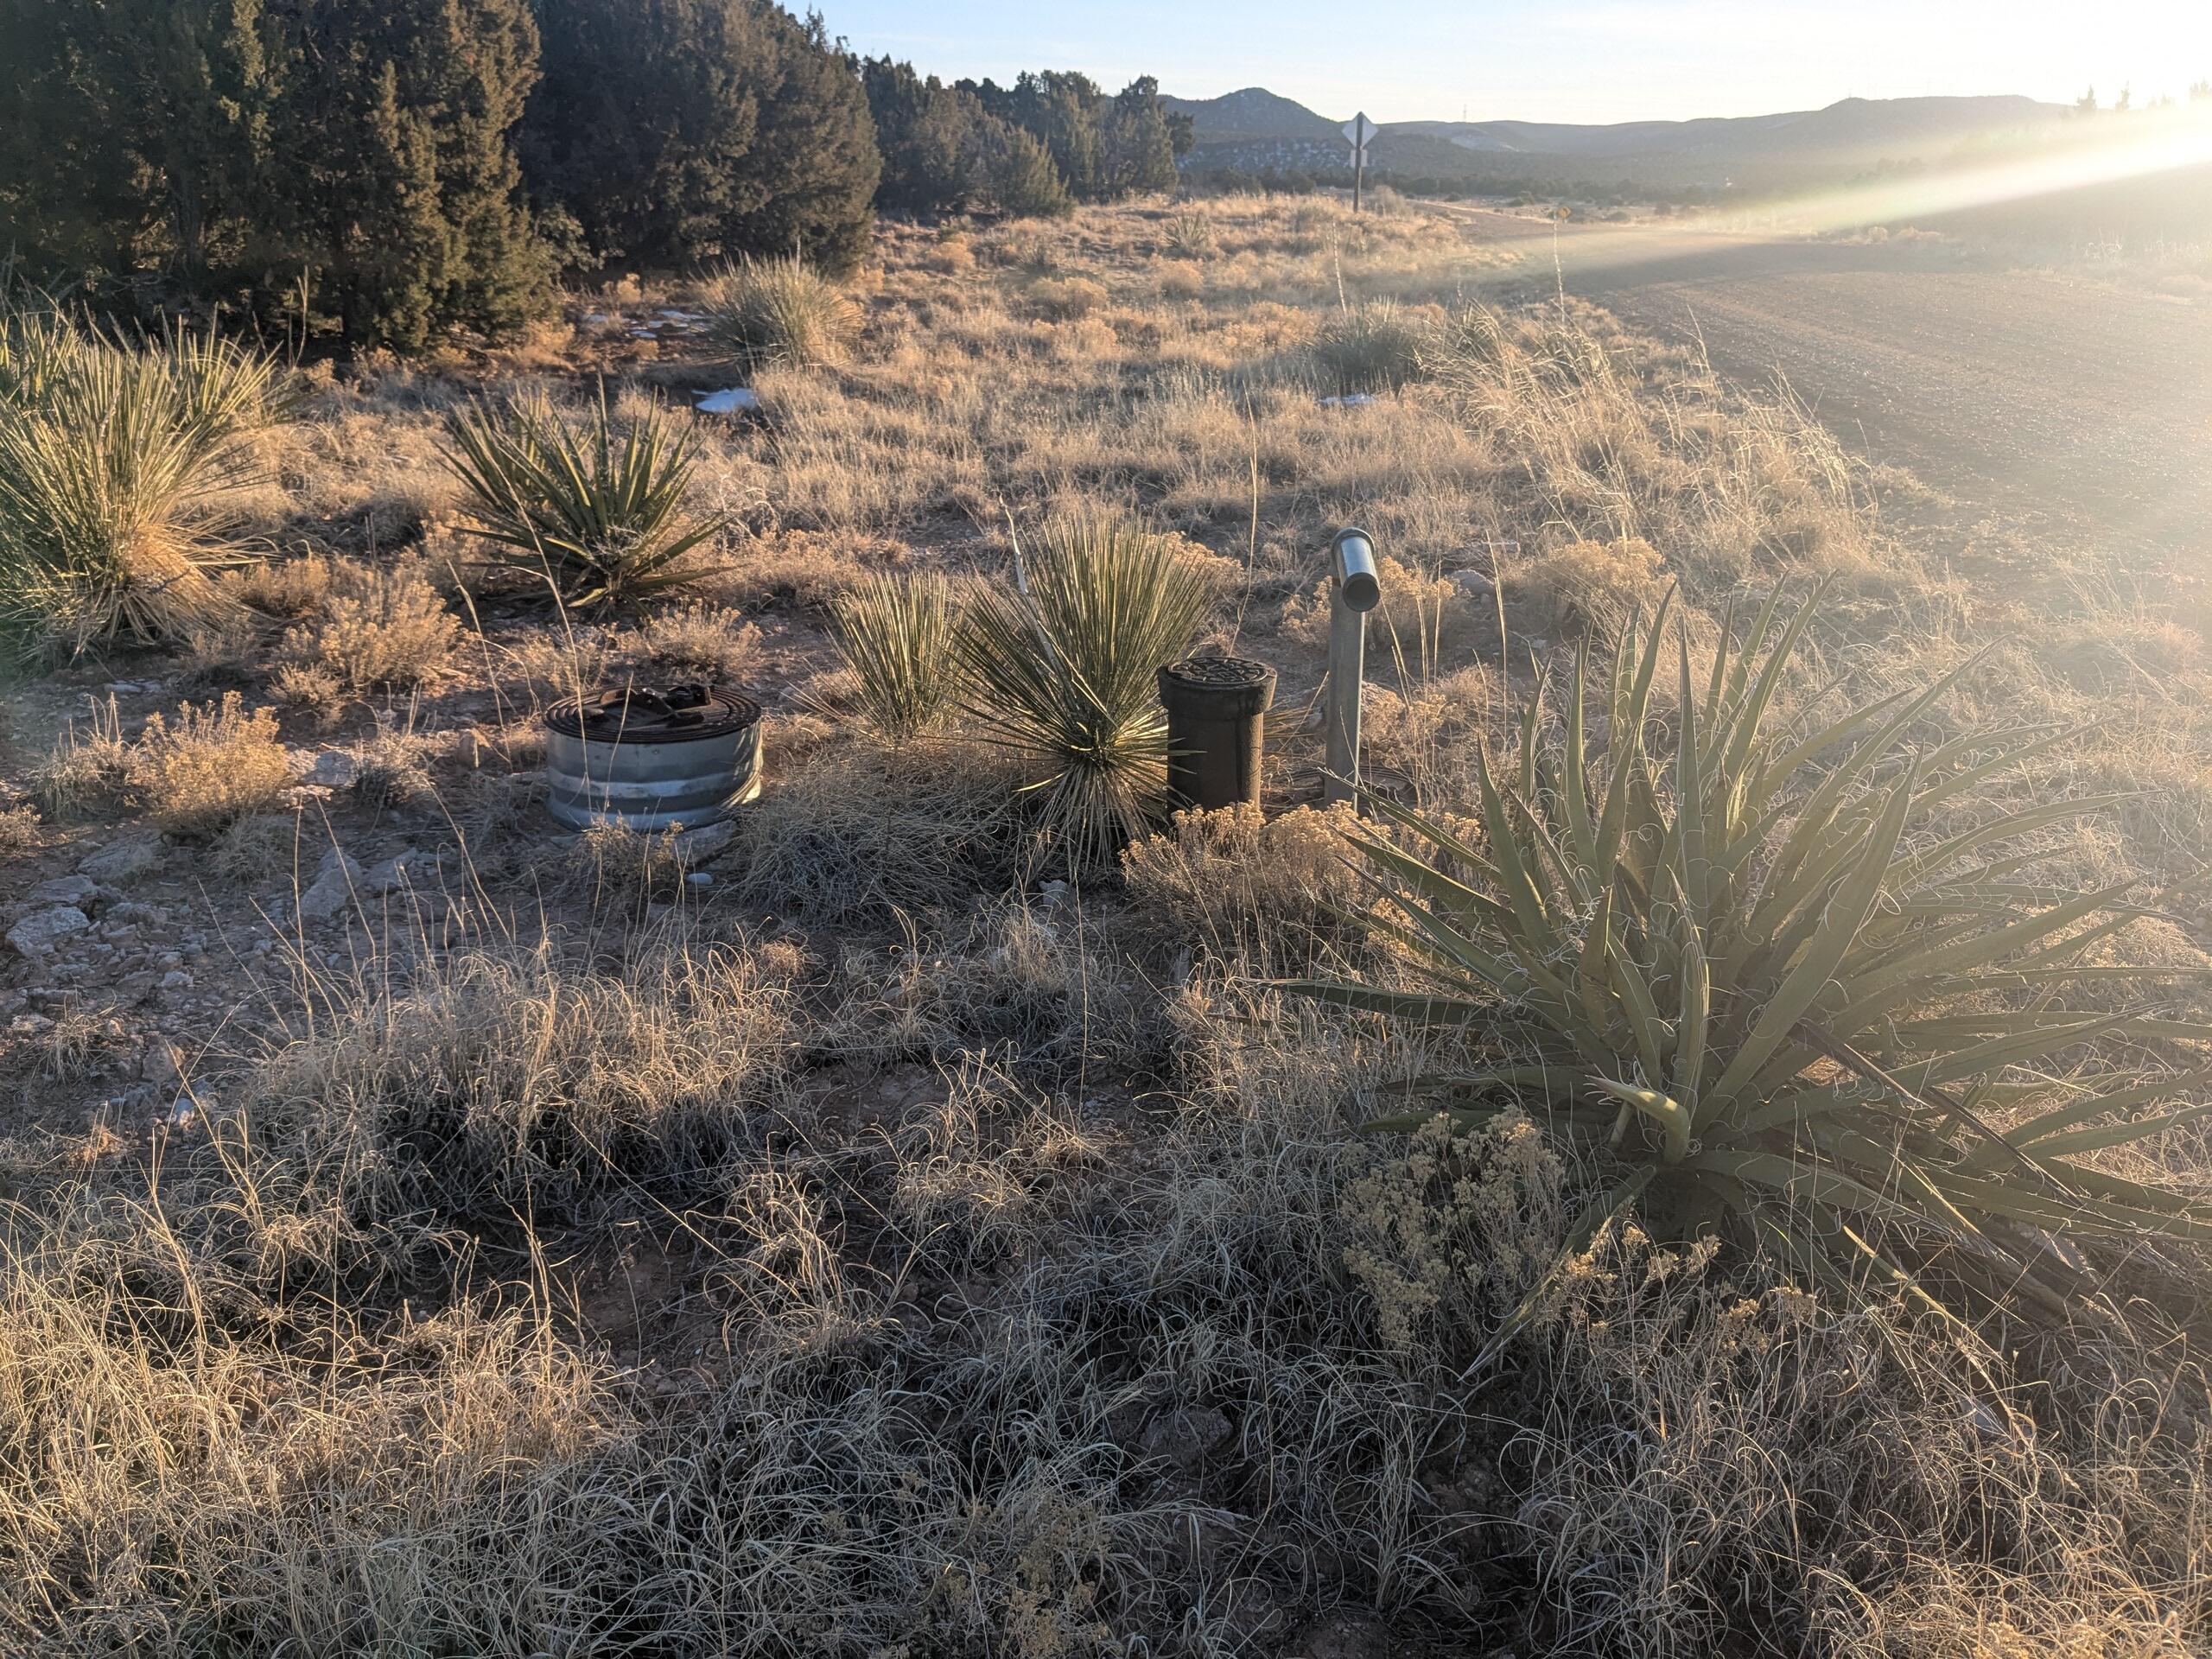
1758, 976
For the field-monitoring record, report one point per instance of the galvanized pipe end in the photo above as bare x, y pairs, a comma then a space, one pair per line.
1351, 559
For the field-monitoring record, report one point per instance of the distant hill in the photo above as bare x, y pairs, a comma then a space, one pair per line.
1253, 112
1256, 128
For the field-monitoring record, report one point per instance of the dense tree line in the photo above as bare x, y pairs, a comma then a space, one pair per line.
402, 167
230, 142
1050, 140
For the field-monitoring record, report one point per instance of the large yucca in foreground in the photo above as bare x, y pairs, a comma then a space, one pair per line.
598, 514
1762, 976
114, 462
1066, 673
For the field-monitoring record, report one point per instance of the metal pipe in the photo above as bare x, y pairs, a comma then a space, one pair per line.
1355, 590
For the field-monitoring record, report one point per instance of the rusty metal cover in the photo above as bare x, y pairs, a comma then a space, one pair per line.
678, 714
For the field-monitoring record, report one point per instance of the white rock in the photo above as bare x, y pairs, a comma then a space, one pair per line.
38, 933
731, 400
334, 769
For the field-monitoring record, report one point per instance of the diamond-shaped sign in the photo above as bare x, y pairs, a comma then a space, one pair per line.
1361, 132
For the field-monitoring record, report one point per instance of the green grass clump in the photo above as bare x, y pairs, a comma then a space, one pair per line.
896, 635
599, 514
779, 314
1770, 985
1066, 673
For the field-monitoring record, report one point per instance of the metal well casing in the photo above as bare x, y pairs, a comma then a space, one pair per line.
653, 780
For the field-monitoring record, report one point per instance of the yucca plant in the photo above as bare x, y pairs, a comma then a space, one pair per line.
1761, 974
1065, 672
114, 460
36, 345
896, 633
598, 515
1189, 232
778, 313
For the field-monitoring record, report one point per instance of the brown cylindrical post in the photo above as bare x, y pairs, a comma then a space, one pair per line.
1217, 728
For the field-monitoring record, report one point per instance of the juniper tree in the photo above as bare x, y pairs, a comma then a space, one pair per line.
398, 183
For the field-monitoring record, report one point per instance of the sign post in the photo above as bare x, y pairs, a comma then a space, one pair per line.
1359, 129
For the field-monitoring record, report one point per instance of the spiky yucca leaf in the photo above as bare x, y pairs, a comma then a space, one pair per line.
114, 460
1067, 674
600, 516
896, 633
1746, 967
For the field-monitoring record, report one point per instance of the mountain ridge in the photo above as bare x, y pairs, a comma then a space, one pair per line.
1851, 132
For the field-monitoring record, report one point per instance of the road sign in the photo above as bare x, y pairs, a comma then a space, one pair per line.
1361, 132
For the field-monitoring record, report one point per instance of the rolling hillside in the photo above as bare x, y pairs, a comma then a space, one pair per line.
1254, 128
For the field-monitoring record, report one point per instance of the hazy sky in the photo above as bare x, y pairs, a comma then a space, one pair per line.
1568, 61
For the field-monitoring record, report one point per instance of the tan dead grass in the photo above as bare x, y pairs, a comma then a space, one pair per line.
992, 1250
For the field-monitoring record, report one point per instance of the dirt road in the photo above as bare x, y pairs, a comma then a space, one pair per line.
2068, 409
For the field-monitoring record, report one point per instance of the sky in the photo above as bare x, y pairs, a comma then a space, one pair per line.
1582, 60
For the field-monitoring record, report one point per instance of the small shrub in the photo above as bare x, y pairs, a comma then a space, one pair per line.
896, 635
1597, 583
392, 629
86, 767
1189, 234
1181, 282
18, 831
217, 764
1372, 347
395, 767
708, 641
600, 518
286, 588
307, 685
779, 314
953, 256
1067, 297
1066, 675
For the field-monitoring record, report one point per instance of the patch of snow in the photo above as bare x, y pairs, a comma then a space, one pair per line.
731, 400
